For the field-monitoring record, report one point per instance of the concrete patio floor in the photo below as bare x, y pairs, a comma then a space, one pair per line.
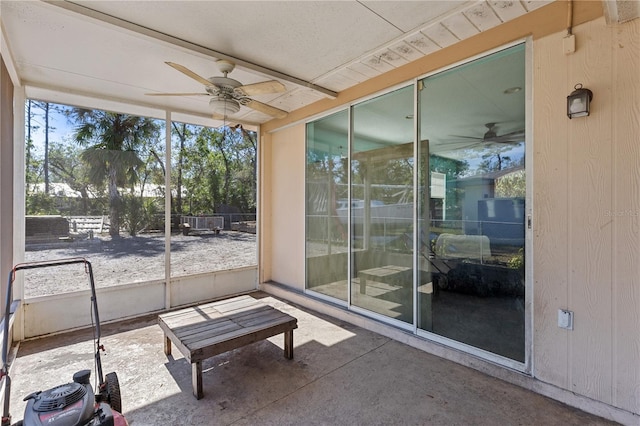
340, 374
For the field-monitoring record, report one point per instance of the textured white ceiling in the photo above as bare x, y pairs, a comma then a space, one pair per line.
115, 50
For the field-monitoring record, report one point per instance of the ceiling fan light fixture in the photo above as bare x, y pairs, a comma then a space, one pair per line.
224, 107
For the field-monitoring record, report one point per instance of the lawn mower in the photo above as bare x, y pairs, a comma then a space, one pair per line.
69, 404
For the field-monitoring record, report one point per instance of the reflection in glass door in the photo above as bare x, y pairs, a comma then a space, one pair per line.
428, 234
382, 163
327, 201
471, 207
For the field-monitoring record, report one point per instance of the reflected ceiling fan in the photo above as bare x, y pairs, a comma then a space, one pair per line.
491, 135
228, 94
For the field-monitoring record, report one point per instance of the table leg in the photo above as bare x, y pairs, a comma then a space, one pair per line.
196, 377
167, 346
288, 344
363, 285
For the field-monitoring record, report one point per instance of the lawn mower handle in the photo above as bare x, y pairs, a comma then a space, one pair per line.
4, 373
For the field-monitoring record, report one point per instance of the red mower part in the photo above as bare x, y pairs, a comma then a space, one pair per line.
119, 420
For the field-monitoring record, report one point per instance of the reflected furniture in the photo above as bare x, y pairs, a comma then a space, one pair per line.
388, 274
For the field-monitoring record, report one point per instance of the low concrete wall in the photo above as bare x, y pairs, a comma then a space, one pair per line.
53, 314
192, 289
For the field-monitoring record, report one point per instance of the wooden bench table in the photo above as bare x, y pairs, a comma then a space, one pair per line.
200, 332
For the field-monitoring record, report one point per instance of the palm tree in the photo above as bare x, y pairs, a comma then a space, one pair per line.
111, 141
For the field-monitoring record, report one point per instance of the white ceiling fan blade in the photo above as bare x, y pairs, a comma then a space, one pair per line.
186, 71
263, 88
517, 136
177, 94
264, 108
466, 137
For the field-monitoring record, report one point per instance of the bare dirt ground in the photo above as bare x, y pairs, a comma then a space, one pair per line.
134, 259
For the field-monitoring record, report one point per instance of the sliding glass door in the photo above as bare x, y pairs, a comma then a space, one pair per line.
471, 215
382, 167
416, 206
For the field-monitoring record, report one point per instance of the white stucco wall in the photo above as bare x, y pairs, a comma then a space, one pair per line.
287, 190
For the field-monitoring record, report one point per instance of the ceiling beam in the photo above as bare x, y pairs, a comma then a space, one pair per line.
174, 41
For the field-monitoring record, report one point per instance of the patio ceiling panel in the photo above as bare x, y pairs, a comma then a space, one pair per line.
405, 50
460, 26
116, 50
362, 68
507, 10
482, 16
269, 33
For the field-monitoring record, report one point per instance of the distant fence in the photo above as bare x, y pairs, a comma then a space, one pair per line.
39, 227
84, 224
211, 223
226, 221
231, 218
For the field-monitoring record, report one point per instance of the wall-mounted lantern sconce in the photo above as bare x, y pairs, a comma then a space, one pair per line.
578, 102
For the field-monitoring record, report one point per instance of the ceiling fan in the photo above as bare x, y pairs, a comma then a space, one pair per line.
491, 135
228, 94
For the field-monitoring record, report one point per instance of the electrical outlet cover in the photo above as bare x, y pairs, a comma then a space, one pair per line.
565, 319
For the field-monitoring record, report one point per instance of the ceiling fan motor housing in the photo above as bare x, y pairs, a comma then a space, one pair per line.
225, 83
491, 133
223, 101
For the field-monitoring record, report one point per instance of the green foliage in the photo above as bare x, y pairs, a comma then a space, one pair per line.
219, 169
40, 203
153, 211
111, 154
133, 214
512, 185
139, 214
450, 167
112, 142
517, 261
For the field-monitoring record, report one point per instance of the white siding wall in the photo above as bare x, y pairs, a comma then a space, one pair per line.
587, 214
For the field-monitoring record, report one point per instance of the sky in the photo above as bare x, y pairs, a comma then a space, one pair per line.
59, 128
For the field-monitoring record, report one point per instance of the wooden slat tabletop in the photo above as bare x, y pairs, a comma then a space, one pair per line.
200, 329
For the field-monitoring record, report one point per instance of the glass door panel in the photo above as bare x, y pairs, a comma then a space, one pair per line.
471, 204
327, 205
381, 205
